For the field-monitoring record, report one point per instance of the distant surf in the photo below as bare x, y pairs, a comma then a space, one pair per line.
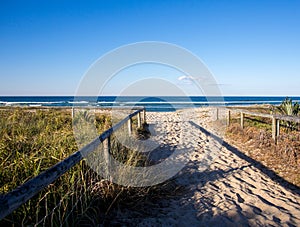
168, 103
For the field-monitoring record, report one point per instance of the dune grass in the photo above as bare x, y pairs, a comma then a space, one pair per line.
32, 140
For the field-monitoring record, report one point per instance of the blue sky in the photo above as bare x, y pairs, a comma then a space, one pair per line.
251, 47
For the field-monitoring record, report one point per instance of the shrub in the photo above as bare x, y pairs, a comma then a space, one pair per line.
287, 107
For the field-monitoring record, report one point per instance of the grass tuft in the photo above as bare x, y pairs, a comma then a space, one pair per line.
32, 140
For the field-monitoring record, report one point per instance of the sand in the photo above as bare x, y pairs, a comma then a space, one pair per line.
222, 186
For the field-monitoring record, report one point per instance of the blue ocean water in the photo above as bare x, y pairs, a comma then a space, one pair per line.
169, 103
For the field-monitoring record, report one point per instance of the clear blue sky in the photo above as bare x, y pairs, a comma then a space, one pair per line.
251, 47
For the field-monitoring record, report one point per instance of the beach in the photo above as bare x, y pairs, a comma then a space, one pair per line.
150, 113
230, 190
218, 184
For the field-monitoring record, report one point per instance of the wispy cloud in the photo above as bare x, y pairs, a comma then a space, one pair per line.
189, 79
185, 78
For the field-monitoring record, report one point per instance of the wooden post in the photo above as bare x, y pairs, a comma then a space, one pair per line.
228, 118
129, 126
107, 145
278, 127
274, 129
144, 115
72, 112
106, 148
242, 119
139, 119
217, 112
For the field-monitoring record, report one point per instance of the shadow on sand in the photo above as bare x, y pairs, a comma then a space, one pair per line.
181, 208
270, 173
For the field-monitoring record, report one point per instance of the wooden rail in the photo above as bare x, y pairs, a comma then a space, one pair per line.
15, 198
275, 119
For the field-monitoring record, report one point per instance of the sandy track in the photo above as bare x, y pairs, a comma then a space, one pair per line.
233, 191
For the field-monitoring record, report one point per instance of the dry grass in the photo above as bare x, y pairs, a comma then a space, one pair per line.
33, 140
283, 158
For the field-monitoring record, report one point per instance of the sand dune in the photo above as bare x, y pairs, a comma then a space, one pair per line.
223, 187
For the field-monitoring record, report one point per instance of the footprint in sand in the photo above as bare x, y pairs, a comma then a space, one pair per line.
277, 220
239, 198
256, 210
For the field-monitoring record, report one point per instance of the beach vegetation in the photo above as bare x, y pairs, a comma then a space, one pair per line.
287, 107
255, 138
32, 140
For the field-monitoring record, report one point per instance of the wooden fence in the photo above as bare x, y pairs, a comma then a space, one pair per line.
275, 119
15, 198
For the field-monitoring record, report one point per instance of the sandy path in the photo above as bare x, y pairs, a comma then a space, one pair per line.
233, 191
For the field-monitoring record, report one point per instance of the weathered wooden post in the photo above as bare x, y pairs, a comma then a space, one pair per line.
217, 112
228, 118
139, 119
274, 129
242, 119
107, 148
144, 115
72, 112
278, 127
129, 126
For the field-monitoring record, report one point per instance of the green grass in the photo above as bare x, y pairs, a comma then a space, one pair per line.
251, 121
33, 140
258, 122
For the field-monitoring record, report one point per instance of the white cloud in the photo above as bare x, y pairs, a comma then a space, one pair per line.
186, 78
190, 79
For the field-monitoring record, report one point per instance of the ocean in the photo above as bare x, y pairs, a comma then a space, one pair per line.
161, 104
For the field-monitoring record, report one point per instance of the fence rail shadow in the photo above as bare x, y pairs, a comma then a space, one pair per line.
270, 173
